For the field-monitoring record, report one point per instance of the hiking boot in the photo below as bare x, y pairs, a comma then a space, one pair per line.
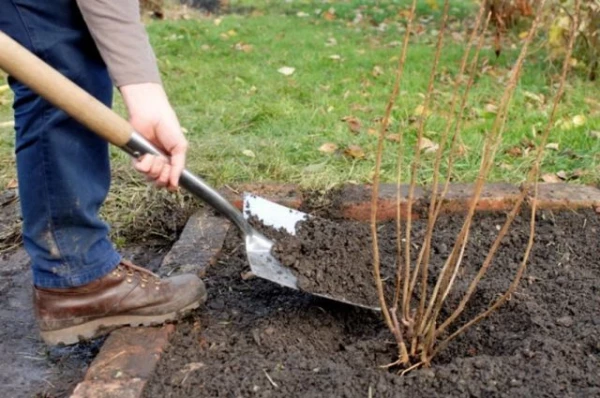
128, 296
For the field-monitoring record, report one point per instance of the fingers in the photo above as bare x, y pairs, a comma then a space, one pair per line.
157, 169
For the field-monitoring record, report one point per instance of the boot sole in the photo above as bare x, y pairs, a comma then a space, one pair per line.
100, 327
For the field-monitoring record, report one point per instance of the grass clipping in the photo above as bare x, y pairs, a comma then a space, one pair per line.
413, 313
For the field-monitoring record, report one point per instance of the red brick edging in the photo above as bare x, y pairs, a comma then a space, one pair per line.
129, 356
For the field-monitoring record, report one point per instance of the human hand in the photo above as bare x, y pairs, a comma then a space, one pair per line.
152, 116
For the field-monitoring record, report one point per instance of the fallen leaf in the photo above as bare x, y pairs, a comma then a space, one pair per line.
535, 97
393, 137
329, 16
249, 153
579, 120
243, 47
551, 178
489, 110
331, 42
353, 124
552, 146
286, 70
328, 147
354, 151
428, 146
377, 71
335, 57
515, 151
12, 184
247, 275
302, 14
523, 35
218, 21
372, 131
314, 168
231, 33
420, 109
562, 175
595, 134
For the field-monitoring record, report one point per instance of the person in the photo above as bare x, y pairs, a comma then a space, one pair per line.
82, 287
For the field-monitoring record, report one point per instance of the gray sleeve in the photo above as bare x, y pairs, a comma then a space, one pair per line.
122, 40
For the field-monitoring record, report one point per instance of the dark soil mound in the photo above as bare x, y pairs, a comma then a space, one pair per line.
256, 339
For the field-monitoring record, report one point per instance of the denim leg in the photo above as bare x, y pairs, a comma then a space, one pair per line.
63, 169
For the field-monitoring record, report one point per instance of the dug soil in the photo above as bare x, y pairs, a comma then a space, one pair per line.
255, 339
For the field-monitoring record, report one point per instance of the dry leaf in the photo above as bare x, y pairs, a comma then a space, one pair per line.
354, 151
553, 146
420, 109
535, 97
462, 149
393, 137
372, 131
579, 120
428, 146
218, 21
328, 15
515, 151
562, 175
550, 178
286, 70
249, 153
247, 275
335, 57
353, 124
490, 109
377, 71
12, 184
595, 134
302, 14
243, 47
328, 147
331, 42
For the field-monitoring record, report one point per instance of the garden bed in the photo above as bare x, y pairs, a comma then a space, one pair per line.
256, 339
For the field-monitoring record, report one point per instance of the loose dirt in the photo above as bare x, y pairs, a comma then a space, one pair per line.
254, 338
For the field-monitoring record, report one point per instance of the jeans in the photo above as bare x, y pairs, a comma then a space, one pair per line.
63, 169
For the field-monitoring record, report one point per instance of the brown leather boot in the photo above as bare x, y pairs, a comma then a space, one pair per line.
128, 296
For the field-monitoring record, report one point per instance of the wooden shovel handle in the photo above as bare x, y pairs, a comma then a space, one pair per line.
30, 70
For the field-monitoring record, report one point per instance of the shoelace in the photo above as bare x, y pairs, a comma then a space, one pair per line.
131, 270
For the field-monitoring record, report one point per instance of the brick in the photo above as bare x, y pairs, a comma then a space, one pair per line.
355, 202
200, 241
129, 353
284, 194
567, 196
494, 197
131, 388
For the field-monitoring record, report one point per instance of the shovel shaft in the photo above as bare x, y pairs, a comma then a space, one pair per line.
30, 70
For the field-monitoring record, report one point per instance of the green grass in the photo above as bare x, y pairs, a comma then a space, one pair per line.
233, 101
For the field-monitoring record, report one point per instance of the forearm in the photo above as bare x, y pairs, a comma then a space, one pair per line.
122, 40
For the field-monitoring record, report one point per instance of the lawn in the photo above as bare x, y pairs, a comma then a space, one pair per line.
246, 121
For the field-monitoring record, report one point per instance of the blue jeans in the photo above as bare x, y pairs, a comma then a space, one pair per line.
63, 168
